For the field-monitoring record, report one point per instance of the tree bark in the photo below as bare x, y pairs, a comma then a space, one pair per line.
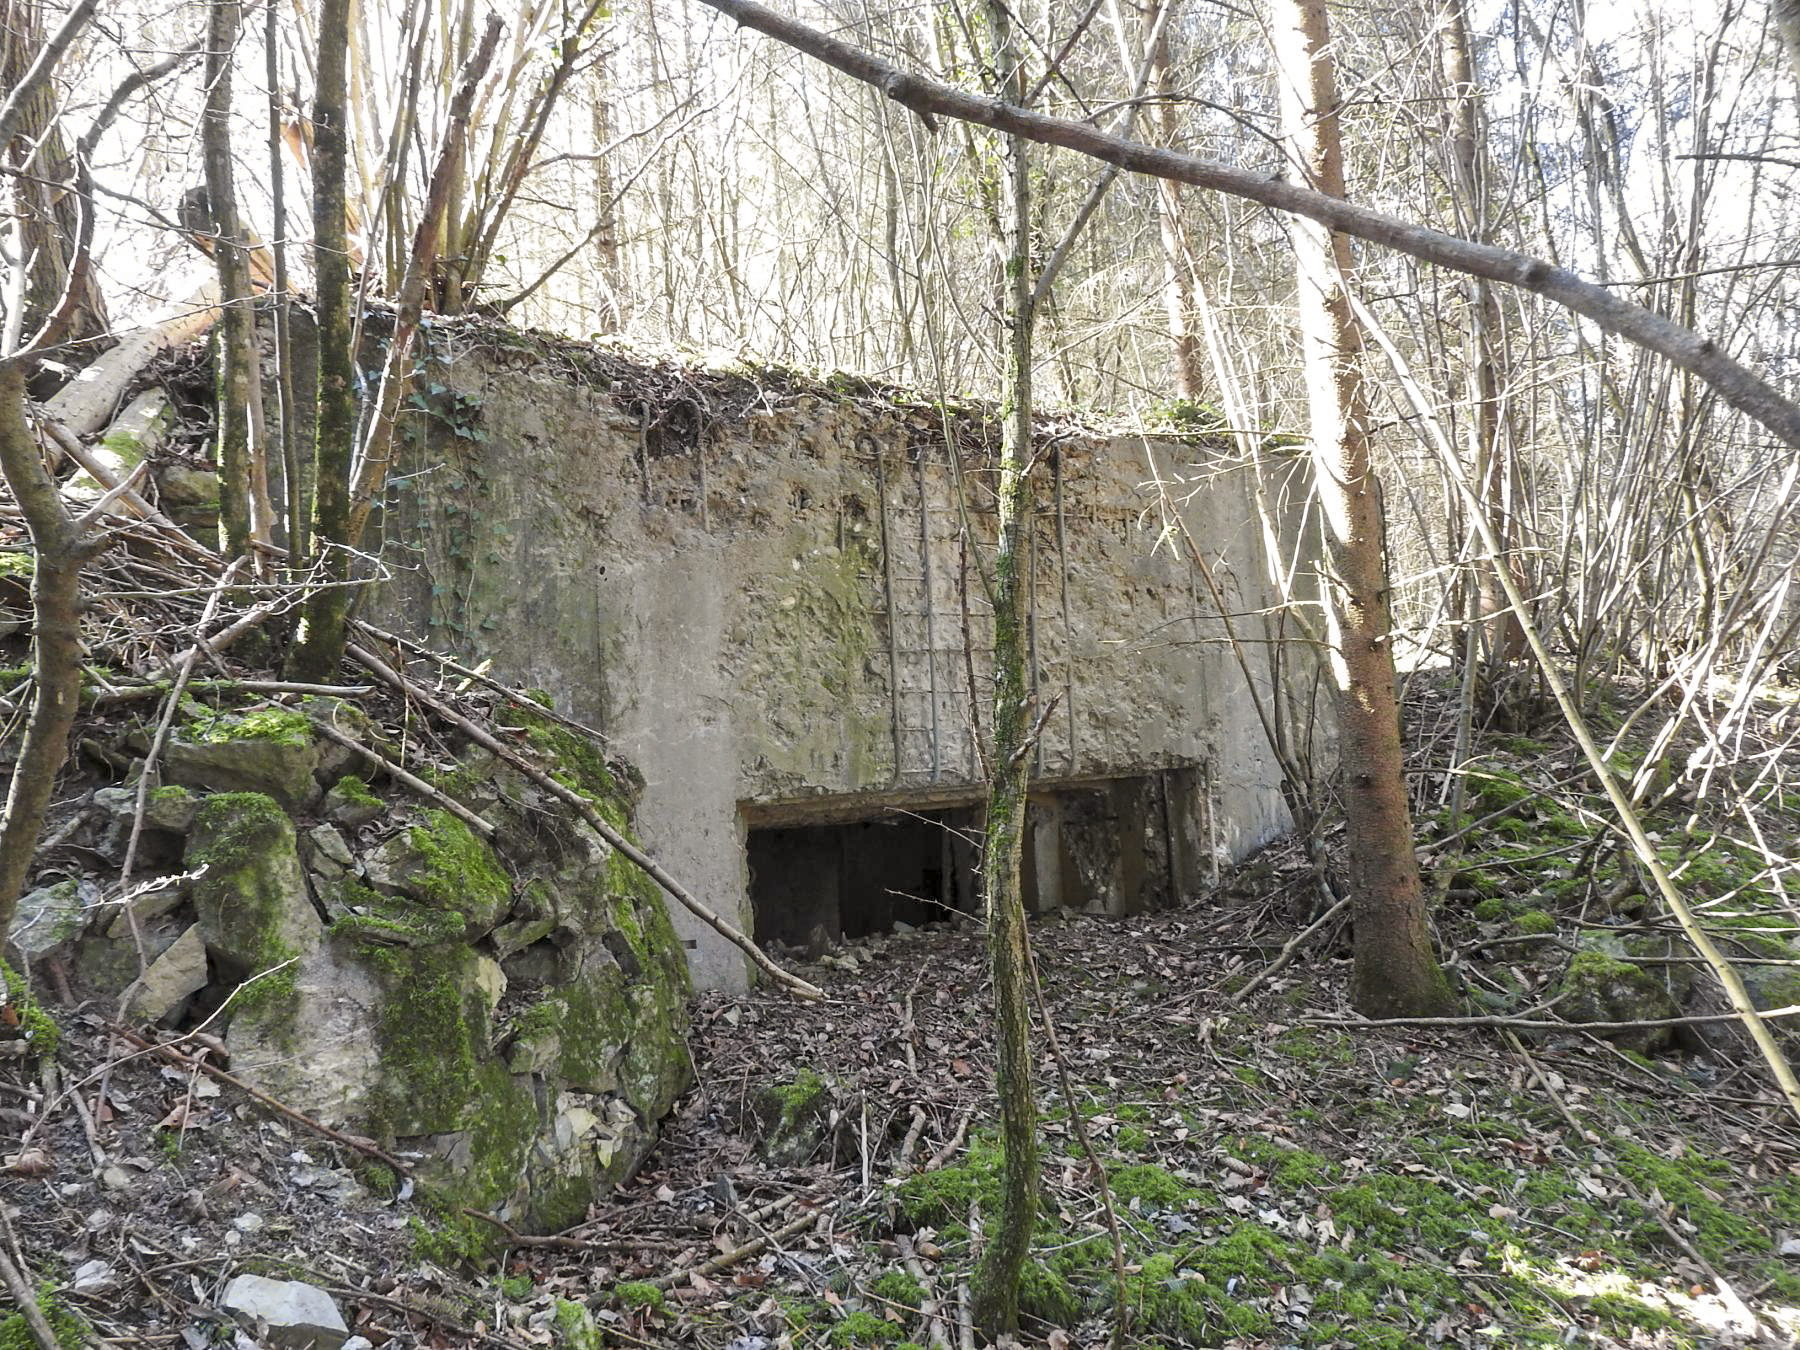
47, 213
59, 553
320, 648
996, 1283
1494, 469
239, 388
1396, 972
1739, 386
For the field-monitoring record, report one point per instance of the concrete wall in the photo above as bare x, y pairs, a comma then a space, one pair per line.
769, 597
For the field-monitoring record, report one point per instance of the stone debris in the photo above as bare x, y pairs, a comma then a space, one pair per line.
174, 977
286, 1313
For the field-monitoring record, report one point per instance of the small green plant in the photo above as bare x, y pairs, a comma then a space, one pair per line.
861, 1329
41, 1034
69, 1327
456, 1240
896, 1286
641, 1294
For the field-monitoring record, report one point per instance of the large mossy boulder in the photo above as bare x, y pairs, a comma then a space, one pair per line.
1602, 985
270, 750
505, 999
251, 898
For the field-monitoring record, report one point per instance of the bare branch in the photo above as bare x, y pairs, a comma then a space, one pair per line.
1736, 383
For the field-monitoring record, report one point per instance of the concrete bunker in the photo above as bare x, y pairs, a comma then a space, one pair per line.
779, 615
845, 867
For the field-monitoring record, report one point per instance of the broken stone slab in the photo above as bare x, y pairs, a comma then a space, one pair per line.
290, 1314
320, 1050
328, 845
251, 899
104, 964
93, 1278
174, 977
150, 903
516, 936
51, 918
347, 719
274, 757
350, 803
171, 808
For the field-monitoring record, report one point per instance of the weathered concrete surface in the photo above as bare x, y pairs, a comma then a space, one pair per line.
771, 597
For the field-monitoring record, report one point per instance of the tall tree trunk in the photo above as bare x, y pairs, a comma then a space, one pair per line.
996, 1284
1396, 970
280, 434
609, 313
47, 219
321, 645
1187, 364
1494, 468
239, 387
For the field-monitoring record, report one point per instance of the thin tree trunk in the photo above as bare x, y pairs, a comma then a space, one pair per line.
294, 497
47, 212
1187, 366
322, 637
609, 314
996, 1283
1396, 970
239, 388
1493, 446
59, 554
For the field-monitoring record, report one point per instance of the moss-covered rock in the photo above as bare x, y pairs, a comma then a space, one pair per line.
444, 866
49, 919
251, 898
795, 1116
1600, 985
269, 751
512, 1009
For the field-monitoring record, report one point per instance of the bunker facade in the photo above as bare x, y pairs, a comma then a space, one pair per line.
770, 596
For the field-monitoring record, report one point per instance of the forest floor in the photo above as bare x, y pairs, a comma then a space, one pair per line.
1280, 1176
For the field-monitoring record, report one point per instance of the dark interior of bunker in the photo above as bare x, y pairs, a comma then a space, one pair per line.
836, 869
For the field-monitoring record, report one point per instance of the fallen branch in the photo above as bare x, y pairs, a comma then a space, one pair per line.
1527, 1024
139, 693
351, 1294
569, 797
1286, 954
26, 1301
1740, 1312
908, 1144
754, 1247
170, 1055
513, 696
930, 1310
410, 781
948, 1151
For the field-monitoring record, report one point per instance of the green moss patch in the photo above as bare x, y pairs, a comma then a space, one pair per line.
27, 1015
